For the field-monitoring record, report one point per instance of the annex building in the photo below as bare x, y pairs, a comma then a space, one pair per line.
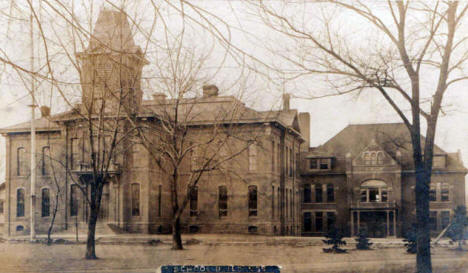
360, 179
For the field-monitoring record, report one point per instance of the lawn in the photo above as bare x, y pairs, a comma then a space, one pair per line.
26, 257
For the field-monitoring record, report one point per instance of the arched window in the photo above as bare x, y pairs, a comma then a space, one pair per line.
373, 158
374, 191
366, 157
330, 193
45, 203
45, 160
380, 158
318, 193
20, 162
74, 200
307, 192
222, 201
135, 192
19, 202
252, 200
194, 201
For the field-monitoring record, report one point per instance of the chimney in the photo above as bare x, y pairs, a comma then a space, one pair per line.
45, 111
210, 90
159, 97
304, 125
286, 98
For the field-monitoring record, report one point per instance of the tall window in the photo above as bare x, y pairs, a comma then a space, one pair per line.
318, 193
278, 157
331, 220
252, 200
272, 202
445, 219
273, 157
444, 192
222, 201
330, 193
159, 200
135, 191
318, 221
286, 202
307, 220
74, 200
325, 163
380, 158
19, 202
433, 220
252, 157
278, 203
20, 162
432, 193
307, 193
291, 162
75, 153
45, 203
194, 201
313, 163
45, 160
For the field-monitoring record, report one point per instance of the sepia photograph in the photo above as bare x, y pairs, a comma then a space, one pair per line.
278, 136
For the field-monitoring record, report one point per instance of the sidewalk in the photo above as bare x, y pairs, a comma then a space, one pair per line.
211, 239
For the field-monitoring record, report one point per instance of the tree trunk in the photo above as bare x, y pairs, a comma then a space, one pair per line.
91, 242
176, 236
423, 259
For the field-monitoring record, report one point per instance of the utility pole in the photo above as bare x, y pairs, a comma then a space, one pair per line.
33, 139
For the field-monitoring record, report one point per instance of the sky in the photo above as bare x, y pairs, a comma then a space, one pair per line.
328, 115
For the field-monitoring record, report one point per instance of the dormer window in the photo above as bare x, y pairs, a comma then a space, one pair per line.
319, 163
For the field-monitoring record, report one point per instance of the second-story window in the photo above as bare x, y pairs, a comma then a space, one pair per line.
313, 163
74, 200
374, 191
252, 200
45, 208
318, 193
330, 193
75, 153
432, 193
307, 192
135, 193
444, 192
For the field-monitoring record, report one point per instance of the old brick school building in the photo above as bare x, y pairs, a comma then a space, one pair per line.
362, 178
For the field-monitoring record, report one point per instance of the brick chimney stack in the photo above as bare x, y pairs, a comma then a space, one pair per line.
286, 98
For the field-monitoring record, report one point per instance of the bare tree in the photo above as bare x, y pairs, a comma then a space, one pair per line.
407, 40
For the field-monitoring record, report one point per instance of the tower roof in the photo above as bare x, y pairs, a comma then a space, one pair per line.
112, 32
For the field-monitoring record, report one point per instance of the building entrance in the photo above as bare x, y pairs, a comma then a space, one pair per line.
374, 223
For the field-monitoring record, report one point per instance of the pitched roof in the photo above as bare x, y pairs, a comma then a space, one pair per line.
390, 137
41, 124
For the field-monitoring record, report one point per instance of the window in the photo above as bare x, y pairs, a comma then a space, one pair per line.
331, 220
380, 158
272, 202
75, 153
135, 192
291, 162
313, 163
286, 202
273, 157
367, 158
252, 200
194, 201
45, 160
444, 192
159, 200
319, 221
374, 191
252, 157
324, 163
222, 201
330, 193
433, 220
45, 203
432, 194
19, 202
74, 200
318, 193
1, 207
307, 193
445, 219
20, 162
278, 157
278, 203
373, 158
307, 220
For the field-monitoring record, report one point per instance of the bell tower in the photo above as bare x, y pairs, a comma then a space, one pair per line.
111, 67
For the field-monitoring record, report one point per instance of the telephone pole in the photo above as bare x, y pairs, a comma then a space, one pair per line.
33, 139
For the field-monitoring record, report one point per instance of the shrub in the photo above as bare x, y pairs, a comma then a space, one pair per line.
334, 238
410, 239
363, 241
456, 229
